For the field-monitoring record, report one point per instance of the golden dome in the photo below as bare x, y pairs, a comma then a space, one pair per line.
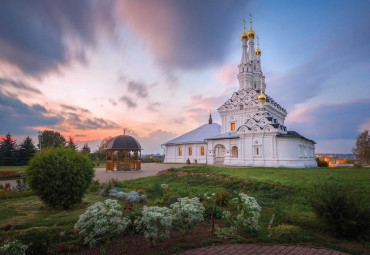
261, 97
258, 51
244, 35
251, 33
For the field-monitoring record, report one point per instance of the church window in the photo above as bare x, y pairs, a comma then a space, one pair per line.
257, 151
180, 151
232, 126
202, 151
241, 107
190, 151
234, 152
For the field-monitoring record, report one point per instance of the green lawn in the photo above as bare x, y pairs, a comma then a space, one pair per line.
12, 168
288, 190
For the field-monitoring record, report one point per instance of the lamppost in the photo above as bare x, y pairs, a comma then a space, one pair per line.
40, 138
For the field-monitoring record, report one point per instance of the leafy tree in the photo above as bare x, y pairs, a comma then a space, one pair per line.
8, 149
71, 144
100, 152
26, 151
362, 149
60, 177
86, 149
50, 139
321, 163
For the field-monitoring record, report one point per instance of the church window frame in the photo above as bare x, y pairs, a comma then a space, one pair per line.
179, 151
234, 152
232, 126
202, 151
190, 150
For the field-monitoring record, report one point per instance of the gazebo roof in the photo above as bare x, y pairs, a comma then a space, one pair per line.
123, 142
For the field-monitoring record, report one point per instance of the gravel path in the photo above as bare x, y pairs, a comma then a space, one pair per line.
148, 169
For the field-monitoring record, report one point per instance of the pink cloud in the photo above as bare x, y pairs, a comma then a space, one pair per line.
227, 74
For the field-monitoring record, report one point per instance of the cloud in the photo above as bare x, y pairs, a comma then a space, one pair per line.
33, 34
152, 142
19, 118
227, 74
128, 101
185, 34
74, 121
153, 107
19, 85
74, 108
340, 121
139, 88
308, 79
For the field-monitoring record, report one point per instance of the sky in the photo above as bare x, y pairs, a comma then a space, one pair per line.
91, 68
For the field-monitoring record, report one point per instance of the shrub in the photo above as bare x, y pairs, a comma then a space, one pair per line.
222, 198
211, 209
14, 247
155, 223
248, 216
286, 233
186, 213
101, 222
345, 211
156, 189
60, 177
321, 163
173, 199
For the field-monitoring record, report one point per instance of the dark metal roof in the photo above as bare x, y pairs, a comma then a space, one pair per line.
123, 142
228, 135
294, 134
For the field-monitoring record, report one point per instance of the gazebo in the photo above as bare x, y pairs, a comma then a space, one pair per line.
123, 153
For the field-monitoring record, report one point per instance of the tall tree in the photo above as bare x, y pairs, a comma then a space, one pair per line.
86, 149
51, 139
71, 144
26, 151
99, 154
8, 149
362, 149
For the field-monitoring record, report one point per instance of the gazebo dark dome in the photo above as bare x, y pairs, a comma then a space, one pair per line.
123, 142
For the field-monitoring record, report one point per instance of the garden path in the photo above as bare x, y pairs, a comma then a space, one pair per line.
148, 169
244, 249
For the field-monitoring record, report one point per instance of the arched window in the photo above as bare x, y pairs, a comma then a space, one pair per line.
241, 107
257, 151
202, 151
234, 152
190, 151
180, 151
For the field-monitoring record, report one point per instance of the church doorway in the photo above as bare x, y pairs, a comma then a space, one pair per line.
219, 154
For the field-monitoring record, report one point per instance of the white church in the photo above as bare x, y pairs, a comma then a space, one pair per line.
252, 132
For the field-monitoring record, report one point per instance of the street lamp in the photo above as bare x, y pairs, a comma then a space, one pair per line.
40, 136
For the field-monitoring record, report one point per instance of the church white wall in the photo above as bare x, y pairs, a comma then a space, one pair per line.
172, 153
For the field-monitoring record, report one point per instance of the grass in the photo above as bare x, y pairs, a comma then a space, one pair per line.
288, 190
13, 168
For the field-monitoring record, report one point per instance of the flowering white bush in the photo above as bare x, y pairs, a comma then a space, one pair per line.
155, 223
164, 186
249, 214
100, 222
187, 212
14, 247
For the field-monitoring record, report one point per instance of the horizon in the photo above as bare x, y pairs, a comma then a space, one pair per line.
156, 68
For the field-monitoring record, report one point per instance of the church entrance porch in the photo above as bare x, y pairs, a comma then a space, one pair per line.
219, 154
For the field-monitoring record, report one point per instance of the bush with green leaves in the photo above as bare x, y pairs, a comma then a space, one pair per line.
101, 222
186, 213
155, 222
14, 247
286, 232
343, 209
248, 215
60, 177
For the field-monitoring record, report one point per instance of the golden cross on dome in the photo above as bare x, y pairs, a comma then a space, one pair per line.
124, 131
250, 19
244, 21
258, 42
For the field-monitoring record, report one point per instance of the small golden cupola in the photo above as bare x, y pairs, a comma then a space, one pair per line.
250, 33
244, 35
258, 50
261, 96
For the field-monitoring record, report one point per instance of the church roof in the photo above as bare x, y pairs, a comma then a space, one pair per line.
228, 135
197, 135
294, 134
